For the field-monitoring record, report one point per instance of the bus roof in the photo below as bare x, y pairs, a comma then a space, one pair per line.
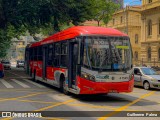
79, 31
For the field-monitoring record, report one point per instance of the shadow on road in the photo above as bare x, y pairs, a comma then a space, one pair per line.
111, 99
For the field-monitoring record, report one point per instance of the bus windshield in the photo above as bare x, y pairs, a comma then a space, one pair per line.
107, 53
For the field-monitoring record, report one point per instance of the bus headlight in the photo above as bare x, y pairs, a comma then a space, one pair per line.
88, 76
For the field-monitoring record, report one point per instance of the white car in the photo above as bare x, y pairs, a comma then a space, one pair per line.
146, 77
20, 64
6, 64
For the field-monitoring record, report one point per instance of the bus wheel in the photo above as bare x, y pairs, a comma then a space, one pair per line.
62, 85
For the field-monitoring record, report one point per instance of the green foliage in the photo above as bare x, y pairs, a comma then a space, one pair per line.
104, 10
4, 43
40, 13
47, 16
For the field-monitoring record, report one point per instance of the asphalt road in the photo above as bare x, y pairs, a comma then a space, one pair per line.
19, 93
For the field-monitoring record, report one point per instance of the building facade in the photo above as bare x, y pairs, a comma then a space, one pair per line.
128, 20
17, 49
150, 39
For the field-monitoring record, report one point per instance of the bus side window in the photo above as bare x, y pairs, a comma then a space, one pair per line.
57, 54
35, 54
50, 54
64, 53
39, 53
31, 53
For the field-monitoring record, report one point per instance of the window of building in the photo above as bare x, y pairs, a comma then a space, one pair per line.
159, 54
149, 54
136, 55
121, 19
113, 21
149, 1
136, 38
149, 27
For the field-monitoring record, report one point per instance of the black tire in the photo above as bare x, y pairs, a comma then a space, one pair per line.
146, 85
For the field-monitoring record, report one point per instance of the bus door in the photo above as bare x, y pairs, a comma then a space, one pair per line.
44, 64
73, 60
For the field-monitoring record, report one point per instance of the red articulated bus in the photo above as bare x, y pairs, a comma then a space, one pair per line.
83, 60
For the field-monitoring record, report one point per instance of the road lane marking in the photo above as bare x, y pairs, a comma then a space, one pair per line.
118, 110
55, 105
21, 84
6, 84
91, 106
36, 84
96, 106
13, 90
29, 95
41, 90
37, 101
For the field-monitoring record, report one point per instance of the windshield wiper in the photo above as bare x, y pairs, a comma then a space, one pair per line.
100, 69
88, 59
125, 68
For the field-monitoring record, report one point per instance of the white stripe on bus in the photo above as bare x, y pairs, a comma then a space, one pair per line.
5, 83
36, 84
20, 83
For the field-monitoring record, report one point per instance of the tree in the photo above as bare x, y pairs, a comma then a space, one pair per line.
40, 13
46, 16
104, 10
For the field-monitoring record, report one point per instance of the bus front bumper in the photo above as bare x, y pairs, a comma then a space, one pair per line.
90, 87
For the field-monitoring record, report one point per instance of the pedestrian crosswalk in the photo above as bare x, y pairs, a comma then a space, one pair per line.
5, 83
19, 83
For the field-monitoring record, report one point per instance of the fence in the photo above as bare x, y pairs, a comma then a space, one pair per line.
146, 63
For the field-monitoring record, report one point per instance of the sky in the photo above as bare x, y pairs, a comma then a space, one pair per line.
132, 2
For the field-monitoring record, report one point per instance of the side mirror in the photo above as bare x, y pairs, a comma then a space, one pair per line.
139, 74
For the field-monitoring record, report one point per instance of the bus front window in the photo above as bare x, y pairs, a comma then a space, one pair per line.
107, 53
